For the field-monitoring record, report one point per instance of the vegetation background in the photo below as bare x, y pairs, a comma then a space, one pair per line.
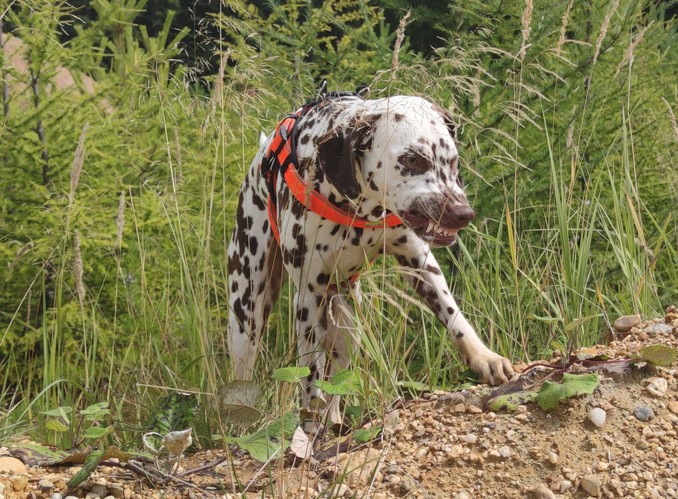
117, 189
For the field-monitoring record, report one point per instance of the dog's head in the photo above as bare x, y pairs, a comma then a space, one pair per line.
401, 154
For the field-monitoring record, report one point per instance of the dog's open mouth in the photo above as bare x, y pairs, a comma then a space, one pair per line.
429, 230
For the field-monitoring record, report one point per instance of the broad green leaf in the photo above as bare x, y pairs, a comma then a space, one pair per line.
97, 432
56, 425
551, 394
658, 354
367, 434
271, 441
95, 411
292, 374
238, 402
58, 412
344, 382
511, 401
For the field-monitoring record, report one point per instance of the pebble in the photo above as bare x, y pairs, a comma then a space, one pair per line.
565, 485
591, 485
658, 386
673, 407
463, 495
597, 416
56, 495
553, 457
541, 492
504, 451
626, 322
98, 489
11, 465
656, 329
341, 490
45, 485
470, 438
643, 413
19, 482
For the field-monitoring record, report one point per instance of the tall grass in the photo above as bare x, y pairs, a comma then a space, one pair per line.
128, 258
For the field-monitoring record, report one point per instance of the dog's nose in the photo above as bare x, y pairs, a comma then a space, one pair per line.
461, 216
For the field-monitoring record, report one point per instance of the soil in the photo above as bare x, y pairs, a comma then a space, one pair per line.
447, 445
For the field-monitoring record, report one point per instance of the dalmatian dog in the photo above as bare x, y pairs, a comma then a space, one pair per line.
390, 164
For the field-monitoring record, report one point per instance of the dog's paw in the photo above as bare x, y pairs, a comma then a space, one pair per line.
490, 367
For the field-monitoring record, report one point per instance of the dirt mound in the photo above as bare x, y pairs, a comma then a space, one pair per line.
447, 445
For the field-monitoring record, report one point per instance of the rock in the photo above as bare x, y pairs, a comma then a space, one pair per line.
99, 489
504, 451
673, 406
463, 495
470, 438
116, 490
591, 485
656, 329
643, 413
340, 490
19, 482
553, 457
565, 485
358, 468
658, 386
597, 416
11, 465
56, 495
626, 322
421, 453
540, 492
45, 485
407, 483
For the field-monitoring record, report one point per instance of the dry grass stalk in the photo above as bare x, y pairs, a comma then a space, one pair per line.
78, 162
628, 55
400, 36
563, 27
526, 22
603, 29
77, 268
120, 220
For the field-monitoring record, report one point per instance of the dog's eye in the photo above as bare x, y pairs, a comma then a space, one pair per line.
414, 163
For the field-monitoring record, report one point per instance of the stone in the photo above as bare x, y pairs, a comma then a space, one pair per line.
470, 438
99, 489
591, 485
673, 406
56, 495
657, 386
19, 482
597, 416
11, 465
45, 485
656, 329
340, 490
540, 492
626, 322
504, 451
116, 490
643, 413
565, 485
553, 457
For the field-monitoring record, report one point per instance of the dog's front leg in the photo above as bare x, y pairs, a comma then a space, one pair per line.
429, 282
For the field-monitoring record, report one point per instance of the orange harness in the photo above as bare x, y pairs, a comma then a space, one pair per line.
281, 157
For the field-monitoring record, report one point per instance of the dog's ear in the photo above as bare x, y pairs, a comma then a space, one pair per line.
337, 154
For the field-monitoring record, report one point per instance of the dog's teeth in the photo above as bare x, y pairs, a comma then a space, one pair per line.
430, 227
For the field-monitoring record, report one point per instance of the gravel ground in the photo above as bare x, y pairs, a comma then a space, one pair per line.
619, 442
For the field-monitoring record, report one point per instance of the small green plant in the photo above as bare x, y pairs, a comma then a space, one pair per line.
88, 425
